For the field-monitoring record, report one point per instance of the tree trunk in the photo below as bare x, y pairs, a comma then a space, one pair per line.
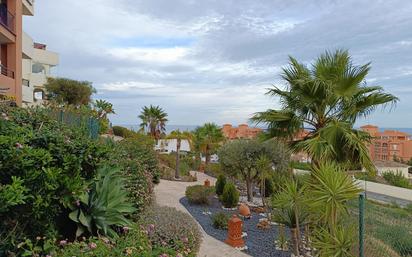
249, 188
207, 158
177, 175
295, 241
297, 227
263, 194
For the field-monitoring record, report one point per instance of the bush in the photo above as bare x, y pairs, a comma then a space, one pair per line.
220, 220
133, 243
230, 196
121, 131
199, 194
220, 184
45, 166
397, 179
171, 228
214, 170
269, 188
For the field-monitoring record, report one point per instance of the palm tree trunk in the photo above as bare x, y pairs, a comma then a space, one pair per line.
177, 175
207, 159
249, 189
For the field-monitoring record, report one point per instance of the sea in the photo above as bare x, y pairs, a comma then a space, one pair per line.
170, 128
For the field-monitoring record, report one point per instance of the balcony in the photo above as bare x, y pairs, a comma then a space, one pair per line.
7, 19
28, 7
6, 72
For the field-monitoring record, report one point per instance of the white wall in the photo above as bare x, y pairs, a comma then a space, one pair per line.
169, 145
402, 170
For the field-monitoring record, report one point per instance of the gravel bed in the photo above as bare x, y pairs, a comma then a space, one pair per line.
260, 243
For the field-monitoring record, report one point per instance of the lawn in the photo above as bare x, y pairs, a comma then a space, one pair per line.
386, 228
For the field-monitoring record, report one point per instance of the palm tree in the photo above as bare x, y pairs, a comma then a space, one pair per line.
103, 108
179, 136
153, 120
208, 137
265, 168
326, 99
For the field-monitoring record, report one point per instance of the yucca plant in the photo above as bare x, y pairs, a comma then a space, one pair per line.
104, 206
336, 244
289, 209
330, 189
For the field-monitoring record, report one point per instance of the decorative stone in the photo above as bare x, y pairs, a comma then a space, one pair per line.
244, 211
263, 224
234, 233
207, 183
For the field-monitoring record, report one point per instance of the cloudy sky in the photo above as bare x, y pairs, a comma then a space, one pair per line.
212, 60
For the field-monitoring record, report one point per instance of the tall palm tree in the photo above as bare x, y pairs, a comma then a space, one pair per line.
326, 99
179, 136
153, 120
208, 137
103, 108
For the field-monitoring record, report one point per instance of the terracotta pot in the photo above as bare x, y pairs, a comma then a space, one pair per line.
244, 210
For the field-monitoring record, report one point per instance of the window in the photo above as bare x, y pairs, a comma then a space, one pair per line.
38, 68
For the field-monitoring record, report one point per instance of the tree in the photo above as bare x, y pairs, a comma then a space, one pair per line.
153, 120
68, 91
179, 136
103, 108
207, 140
291, 204
326, 99
239, 158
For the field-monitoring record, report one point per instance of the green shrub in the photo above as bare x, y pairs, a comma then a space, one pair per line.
269, 187
199, 194
397, 179
133, 243
171, 228
121, 131
220, 220
214, 170
230, 196
45, 166
220, 184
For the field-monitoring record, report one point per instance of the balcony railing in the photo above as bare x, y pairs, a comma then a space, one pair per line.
6, 18
31, 2
6, 72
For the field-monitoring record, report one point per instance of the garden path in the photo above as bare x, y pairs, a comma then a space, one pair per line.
168, 193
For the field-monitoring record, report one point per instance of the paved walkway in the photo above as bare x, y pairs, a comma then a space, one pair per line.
168, 193
386, 193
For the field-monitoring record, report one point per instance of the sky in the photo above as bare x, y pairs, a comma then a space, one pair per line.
212, 60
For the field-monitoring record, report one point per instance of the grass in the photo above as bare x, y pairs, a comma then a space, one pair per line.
300, 165
388, 224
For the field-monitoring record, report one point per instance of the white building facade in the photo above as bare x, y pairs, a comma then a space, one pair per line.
37, 66
170, 145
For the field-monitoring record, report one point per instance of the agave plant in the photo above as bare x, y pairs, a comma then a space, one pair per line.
104, 206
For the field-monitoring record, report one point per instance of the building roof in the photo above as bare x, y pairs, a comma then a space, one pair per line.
393, 133
391, 164
369, 126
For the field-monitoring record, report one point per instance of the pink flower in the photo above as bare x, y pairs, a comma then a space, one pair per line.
77, 202
179, 255
63, 242
106, 240
19, 146
185, 240
92, 245
126, 229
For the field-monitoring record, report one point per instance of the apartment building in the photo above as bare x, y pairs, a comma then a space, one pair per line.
389, 145
11, 19
243, 131
38, 64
